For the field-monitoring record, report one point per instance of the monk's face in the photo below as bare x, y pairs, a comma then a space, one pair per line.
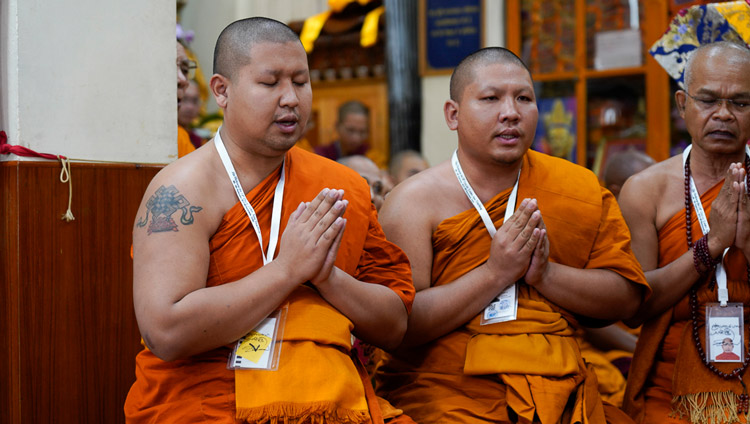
717, 126
268, 100
497, 114
727, 345
353, 131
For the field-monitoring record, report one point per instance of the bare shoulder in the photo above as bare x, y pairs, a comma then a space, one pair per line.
185, 195
655, 192
424, 198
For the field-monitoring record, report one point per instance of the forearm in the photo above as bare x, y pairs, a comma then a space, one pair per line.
611, 337
594, 293
378, 313
441, 309
211, 317
669, 285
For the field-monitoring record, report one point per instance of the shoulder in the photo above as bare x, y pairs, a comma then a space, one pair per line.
561, 178
654, 184
193, 182
427, 197
311, 168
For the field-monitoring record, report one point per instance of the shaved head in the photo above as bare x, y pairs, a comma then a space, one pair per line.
735, 51
622, 165
464, 72
233, 46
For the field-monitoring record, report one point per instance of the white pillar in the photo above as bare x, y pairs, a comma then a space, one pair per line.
89, 79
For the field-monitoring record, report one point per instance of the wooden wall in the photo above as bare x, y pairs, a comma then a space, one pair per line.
68, 333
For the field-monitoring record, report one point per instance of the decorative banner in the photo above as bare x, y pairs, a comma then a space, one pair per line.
698, 25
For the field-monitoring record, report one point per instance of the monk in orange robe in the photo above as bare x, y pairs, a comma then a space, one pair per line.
671, 380
565, 246
184, 145
206, 279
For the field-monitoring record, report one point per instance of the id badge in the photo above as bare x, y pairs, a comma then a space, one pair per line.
724, 333
503, 308
260, 349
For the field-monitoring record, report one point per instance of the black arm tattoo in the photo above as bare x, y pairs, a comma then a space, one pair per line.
165, 202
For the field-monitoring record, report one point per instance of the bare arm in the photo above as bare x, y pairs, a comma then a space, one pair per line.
378, 314
670, 283
611, 337
439, 310
179, 316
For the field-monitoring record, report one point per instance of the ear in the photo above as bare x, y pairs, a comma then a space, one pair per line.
680, 98
450, 109
220, 88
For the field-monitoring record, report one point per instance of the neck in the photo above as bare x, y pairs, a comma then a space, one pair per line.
488, 178
251, 166
707, 169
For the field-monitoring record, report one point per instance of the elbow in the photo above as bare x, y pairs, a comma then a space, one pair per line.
164, 342
162, 347
396, 334
631, 304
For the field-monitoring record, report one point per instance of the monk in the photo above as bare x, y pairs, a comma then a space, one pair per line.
184, 65
562, 250
406, 163
294, 269
681, 249
365, 167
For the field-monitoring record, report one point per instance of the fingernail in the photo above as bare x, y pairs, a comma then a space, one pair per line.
325, 192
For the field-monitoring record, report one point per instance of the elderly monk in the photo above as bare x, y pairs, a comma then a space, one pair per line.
212, 276
670, 208
562, 251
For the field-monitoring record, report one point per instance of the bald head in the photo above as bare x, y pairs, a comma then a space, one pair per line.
464, 72
622, 165
365, 167
235, 42
405, 164
727, 49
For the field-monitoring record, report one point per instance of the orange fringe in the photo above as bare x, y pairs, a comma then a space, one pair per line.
296, 413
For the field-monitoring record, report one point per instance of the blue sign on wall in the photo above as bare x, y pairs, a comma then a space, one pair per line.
453, 31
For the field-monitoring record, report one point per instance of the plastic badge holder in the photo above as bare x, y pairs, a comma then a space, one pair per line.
503, 308
725, 339
261, 348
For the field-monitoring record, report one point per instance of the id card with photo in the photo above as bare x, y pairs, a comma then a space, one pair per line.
261, 348
725, 338
503, 308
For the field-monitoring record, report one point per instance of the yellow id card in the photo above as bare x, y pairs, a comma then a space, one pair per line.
260, 348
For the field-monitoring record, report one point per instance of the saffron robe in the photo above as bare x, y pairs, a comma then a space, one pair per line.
184, 144
532, 365
666, 362
316, 380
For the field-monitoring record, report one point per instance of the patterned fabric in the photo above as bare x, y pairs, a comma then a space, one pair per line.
699, 25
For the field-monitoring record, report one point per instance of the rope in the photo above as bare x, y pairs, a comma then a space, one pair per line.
65, 176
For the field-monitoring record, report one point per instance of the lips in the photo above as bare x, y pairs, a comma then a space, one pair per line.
287, 123
721, 133
509, 134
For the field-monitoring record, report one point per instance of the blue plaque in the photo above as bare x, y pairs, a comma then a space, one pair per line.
453, 31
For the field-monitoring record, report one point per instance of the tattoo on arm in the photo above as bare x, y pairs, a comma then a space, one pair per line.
162, 205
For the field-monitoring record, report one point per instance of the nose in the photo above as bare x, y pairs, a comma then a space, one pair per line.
508, 110
289, 96
724, 111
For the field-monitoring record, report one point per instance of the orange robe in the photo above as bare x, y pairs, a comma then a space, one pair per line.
532, 365
184, 145
316, 380
666, 362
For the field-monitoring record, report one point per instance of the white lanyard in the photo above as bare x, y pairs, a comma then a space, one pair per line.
721, 273
474, 199
277, 200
